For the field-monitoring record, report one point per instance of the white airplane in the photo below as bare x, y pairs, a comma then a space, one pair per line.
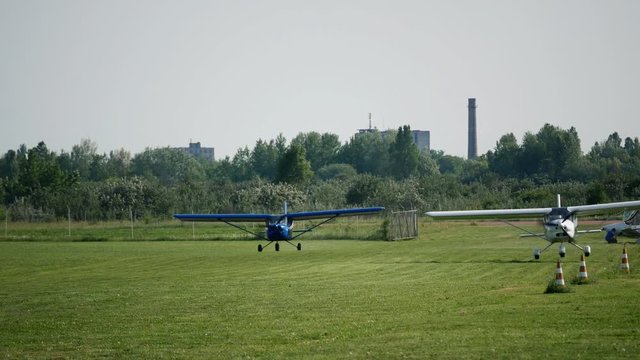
629, 227
560, 223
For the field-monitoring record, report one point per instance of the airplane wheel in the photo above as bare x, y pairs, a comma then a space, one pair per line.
259, 248
277, 247
299, 246
536, 254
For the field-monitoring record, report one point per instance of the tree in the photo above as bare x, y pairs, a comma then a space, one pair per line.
363, 189
329, 194
550, 154
367, 153
119, 196
169, 166
336, 171
504, 159
41, 175
596, 193
242, 169
632, 147
82, 157
10, 165
271, 197
320, 150
562, 149
265, 158
118, 164
403, 154
2, 192
427, 165
449, 164
475, 170
294, 168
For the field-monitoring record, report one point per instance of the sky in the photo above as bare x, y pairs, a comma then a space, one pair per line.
154, 73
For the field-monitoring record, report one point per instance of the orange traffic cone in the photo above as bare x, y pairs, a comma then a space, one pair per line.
625, 260
559, 277
582, 275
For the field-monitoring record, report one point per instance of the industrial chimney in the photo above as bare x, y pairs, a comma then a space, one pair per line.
473, 138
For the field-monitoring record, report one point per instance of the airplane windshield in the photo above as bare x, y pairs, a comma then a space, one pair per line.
558, 213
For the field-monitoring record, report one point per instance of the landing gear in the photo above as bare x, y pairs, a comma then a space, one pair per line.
277, 245
537, 252
585, 249
563, 250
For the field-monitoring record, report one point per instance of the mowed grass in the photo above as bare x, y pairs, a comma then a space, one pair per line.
361, 227
459, 291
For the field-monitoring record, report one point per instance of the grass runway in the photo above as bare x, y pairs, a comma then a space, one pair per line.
459, 291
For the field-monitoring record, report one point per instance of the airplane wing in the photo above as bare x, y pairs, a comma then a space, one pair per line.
307, 215
225, 217
500, 214
324, 214
604, 209
534, 212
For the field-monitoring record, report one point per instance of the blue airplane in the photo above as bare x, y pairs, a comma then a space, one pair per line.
629, 227
279, 227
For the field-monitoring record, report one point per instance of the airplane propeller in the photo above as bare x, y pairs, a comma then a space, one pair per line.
569, 228
568, 225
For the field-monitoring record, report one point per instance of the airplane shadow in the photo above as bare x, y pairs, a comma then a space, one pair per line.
493, 261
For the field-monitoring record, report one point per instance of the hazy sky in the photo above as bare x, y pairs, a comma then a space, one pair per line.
156, 73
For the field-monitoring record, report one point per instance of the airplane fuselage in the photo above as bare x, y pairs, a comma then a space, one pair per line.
612, 231
560, 226
279, 231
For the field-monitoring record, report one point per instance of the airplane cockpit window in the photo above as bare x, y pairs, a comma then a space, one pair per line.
558, 213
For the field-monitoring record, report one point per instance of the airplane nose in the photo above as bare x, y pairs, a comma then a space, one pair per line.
569, 228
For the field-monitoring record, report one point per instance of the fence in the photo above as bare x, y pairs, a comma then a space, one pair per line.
404, 225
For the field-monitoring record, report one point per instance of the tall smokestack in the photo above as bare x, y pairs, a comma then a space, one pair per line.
473, 137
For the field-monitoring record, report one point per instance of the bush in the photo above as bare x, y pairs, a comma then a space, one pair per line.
552, 288
385, 229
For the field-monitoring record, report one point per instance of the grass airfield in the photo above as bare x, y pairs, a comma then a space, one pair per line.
458, 291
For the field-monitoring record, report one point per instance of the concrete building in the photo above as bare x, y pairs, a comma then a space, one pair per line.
199, 152
422, 139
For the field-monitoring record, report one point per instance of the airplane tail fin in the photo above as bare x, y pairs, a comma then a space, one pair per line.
285, 218
631, 217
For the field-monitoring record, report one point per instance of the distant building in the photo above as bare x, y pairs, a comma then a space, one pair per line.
369, 130
199, 152
422, 138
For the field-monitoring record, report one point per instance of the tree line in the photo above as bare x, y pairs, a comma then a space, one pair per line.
315, 171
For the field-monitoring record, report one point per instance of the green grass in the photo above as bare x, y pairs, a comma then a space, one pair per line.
459, 291
364, 227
